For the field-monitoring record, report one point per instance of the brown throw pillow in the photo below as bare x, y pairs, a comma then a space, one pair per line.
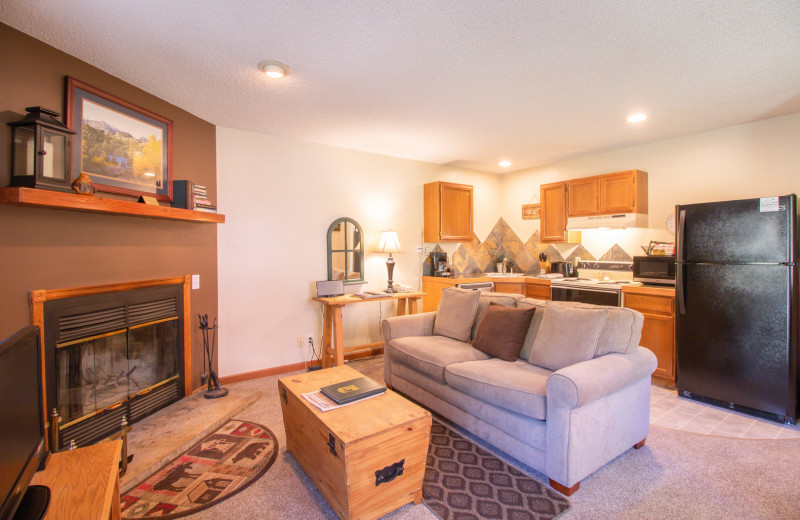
502, 331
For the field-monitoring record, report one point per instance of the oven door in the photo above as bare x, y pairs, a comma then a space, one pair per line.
593, 296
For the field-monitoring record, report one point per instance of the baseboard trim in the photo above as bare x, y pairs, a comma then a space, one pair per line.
246, 376
285, 369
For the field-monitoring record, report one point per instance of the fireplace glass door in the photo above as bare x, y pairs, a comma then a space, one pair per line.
102, 372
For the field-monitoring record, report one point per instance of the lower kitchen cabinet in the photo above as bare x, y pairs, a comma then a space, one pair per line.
510, 287
657, 305
539, 290
432, 286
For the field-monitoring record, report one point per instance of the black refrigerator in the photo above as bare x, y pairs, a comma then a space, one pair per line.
736, 328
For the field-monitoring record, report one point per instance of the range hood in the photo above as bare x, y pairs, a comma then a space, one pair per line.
619, 221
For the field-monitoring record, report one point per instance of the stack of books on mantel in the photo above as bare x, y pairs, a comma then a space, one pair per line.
188, 195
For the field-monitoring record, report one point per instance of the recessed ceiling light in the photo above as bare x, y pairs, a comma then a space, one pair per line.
274, 69
504, 163
637, 118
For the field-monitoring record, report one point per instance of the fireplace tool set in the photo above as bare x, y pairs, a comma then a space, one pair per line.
214, 389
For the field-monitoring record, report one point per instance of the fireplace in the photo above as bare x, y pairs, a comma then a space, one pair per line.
112, 353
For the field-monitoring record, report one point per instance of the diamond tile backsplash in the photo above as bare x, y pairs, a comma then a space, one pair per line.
480, 257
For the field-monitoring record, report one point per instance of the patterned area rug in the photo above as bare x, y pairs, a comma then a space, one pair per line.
465, 482
219, 466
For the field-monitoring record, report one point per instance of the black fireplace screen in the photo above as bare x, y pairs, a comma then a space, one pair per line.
95, 373
112, 355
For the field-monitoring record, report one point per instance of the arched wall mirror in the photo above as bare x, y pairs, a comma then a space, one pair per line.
346, 251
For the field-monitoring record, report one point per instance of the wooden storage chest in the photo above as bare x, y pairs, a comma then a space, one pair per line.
367, 458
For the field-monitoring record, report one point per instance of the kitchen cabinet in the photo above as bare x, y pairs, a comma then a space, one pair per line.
538, 289
508, 286
658, 330
582, 197
622, 192
612, 193
447, 212
432, 286
553, 198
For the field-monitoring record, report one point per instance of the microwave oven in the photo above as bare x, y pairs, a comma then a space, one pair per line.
654, 269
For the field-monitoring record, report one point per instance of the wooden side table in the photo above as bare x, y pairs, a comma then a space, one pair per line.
332, 340
84, 483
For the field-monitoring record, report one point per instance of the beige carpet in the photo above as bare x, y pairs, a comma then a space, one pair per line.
677, 475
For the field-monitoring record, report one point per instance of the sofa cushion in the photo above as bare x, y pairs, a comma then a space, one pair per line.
502, 331
567, 335
487, 297
456, 313
528, 303
431, 354
621, 332
518, 386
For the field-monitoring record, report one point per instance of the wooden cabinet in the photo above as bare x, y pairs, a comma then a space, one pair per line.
623, 192
658, 331
84, 483
432, 286
582, 197
538, 289
448, 212
553, 221
512, 287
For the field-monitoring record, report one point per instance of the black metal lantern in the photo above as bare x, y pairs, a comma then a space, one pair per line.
41, 151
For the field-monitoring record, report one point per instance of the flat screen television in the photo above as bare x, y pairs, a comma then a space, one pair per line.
22, 431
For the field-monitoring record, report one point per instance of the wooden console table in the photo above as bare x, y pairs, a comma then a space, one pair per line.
332, 341
84, 482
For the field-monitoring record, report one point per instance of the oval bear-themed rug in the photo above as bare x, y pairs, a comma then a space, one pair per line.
217, 467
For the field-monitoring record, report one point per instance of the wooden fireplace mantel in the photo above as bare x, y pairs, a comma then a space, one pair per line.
39, 297
71, 202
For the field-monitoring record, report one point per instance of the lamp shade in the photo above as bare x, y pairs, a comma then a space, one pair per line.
389, 243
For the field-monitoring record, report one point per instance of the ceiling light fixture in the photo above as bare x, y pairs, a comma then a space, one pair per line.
637, 118
274, 69
504, 163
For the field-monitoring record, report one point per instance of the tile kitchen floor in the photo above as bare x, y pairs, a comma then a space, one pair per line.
679, 413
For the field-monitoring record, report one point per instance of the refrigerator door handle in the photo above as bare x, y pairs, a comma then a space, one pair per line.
680, 289
681, 233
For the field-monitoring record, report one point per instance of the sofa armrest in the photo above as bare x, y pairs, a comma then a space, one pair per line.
588, 381
408, 325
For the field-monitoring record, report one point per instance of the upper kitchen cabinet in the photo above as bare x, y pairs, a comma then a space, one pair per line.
622, 192
448, 212
553, 221
582, 197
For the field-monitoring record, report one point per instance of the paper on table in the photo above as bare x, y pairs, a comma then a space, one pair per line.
325, 404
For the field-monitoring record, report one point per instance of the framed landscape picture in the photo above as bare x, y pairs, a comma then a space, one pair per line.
124, 148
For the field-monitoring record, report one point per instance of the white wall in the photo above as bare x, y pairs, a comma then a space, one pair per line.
279, 197
752, 160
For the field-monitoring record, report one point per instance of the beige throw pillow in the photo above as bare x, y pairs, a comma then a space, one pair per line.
567, 335
456, 313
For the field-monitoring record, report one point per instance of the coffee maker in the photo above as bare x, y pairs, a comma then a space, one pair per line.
439, 263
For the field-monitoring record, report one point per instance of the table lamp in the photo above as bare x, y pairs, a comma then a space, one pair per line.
389, 244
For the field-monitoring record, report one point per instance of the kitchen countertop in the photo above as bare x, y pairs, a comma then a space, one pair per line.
474, 278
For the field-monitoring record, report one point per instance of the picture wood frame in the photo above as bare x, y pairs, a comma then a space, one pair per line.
531, 211
124, 148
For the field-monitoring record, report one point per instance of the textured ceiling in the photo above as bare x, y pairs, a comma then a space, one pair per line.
465, 83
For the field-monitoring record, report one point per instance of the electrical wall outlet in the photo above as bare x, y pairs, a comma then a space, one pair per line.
304, 340
421, 249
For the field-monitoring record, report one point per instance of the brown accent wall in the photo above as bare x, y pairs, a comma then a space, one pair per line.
51, 249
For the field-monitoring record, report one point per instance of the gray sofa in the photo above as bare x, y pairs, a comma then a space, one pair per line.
566, 423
